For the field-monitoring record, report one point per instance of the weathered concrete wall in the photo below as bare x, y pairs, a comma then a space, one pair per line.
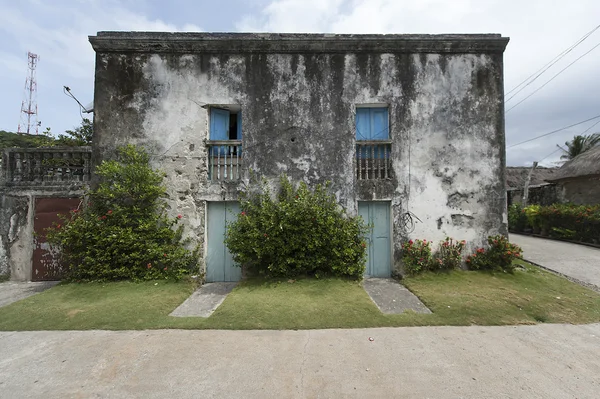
582, 191
16, 236
298, 95
17, 214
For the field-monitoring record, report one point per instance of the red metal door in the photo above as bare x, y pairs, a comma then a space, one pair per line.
45, 265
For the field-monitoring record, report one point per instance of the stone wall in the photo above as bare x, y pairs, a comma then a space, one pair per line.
298, 96
582, 191
23, 179
546, 194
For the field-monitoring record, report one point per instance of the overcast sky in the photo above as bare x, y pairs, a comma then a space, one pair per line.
539, 30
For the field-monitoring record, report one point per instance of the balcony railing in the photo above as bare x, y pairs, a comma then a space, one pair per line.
373, 160
46, 166
224, 160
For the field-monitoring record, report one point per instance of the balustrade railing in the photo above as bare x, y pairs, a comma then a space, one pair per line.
373, 160
224, 160
46, 166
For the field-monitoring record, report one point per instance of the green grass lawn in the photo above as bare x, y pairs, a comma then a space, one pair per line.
529, 296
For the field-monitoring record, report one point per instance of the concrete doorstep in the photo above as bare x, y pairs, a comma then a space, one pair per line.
204, 301
12, 291
391, 297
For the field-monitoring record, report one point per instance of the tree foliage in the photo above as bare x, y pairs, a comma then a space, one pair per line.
79, 136
579, 145
122, 231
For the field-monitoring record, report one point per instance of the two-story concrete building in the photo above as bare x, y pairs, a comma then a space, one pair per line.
403, 126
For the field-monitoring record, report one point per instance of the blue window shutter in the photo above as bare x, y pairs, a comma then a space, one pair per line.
363, 124
379, 124
219, 124
239, 125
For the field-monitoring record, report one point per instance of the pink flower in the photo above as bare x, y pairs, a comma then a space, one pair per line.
149, 265
109, 212
179, 216
243, 213
410, 242
165, 255
58, 227
103, 217
165, 269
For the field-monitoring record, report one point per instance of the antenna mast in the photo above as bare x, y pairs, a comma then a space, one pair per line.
29, 114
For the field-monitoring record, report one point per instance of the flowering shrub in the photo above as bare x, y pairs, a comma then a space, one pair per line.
582, 222
122, 231
300, 232
416, 256
449, 254
576, 222
498, 256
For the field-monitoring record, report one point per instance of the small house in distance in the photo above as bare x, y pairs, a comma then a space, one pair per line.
541, 192
399, 124
579, 178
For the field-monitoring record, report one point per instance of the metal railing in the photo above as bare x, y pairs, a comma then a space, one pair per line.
373, 160
224, 160
46, 166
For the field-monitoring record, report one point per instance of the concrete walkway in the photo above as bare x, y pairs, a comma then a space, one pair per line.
543, 361
580, 263
391, 297
11, 291
204, 301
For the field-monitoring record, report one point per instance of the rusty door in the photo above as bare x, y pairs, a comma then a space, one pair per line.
45, 265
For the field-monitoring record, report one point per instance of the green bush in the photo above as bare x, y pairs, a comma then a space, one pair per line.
298, 232
576, 222
122, 231
579, 222
499, 255
532, 214
416, 256
517, 220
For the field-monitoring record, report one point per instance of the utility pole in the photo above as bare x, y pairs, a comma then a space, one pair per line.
526, 188
29, 112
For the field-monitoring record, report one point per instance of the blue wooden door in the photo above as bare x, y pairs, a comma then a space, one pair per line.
379, 251
219, 261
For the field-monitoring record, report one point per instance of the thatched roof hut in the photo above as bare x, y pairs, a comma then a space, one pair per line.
516, 176
583, 165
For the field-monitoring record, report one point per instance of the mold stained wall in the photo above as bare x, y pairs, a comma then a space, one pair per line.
446, 123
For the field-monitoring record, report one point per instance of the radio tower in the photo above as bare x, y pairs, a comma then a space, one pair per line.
29, 114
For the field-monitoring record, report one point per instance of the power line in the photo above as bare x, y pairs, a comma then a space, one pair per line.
551, 79
554, 131
543, 69
552, 153
589, 128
